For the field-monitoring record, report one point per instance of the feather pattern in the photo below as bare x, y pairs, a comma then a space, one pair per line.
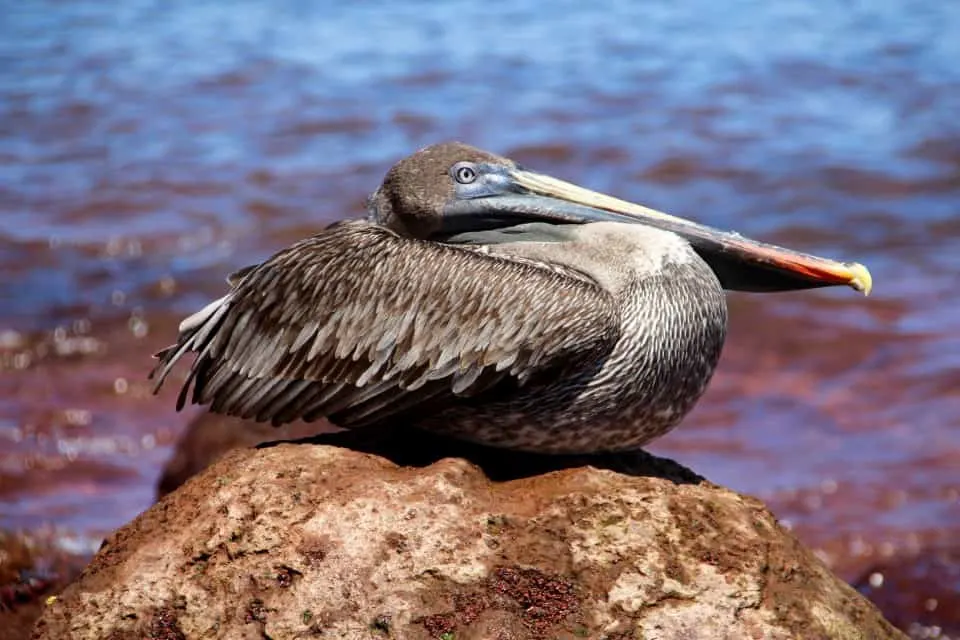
358, 323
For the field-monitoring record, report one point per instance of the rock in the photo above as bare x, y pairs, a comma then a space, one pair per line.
301, 541
211, 435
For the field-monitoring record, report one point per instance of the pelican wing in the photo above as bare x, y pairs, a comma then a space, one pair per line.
358, 324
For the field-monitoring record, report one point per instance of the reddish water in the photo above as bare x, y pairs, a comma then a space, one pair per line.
146, 150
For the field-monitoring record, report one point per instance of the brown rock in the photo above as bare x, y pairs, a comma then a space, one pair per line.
211, 435
300, 541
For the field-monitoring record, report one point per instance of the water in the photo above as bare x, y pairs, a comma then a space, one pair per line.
147, 149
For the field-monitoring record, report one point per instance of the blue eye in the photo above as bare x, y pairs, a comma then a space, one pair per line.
465, 174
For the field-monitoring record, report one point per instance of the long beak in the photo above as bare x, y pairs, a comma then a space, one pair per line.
740, 263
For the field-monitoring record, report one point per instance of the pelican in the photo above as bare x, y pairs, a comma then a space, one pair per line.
490, 303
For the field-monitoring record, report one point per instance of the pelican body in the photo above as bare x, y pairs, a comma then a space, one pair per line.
487, 302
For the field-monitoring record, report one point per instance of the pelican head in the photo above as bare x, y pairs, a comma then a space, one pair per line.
451, 188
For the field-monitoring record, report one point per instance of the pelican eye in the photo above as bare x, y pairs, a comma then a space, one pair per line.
464, 173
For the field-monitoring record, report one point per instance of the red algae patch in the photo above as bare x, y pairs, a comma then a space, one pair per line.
545, 600
539, 601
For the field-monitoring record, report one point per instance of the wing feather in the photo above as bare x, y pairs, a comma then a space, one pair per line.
358, 324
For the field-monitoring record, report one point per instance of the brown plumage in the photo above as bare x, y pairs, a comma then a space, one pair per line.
443, 312
376, 325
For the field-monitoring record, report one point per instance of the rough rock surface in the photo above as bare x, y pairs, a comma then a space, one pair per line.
301, 541
210, 435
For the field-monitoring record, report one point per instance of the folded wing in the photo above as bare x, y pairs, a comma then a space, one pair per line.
359, 324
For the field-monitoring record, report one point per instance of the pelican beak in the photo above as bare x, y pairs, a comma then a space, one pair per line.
740, 263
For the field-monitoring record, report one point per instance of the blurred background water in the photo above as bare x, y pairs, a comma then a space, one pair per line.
149, 148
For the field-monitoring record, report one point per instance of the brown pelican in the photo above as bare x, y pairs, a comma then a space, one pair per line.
488, 302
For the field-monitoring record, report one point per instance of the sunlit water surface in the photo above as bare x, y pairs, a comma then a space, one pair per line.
147, 149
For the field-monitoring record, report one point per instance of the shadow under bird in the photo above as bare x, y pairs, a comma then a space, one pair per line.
487, 302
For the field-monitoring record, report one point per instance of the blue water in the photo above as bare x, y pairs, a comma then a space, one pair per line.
149, 148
